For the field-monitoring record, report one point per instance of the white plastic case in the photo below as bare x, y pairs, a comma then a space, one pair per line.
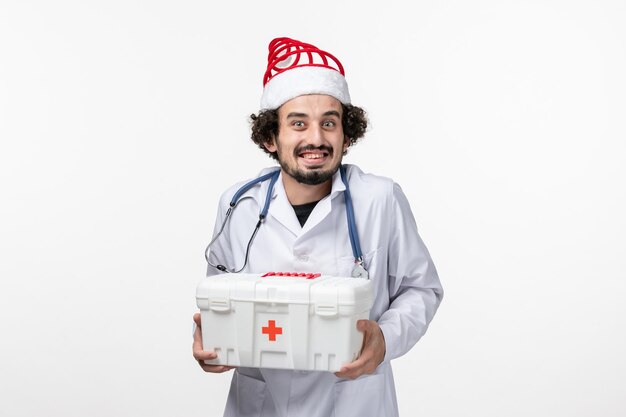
283, 320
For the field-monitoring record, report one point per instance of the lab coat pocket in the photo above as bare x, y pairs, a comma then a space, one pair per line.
246, 396
362, 397
345, 263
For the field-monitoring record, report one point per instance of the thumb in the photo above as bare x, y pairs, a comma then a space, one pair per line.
362, 325
196, 318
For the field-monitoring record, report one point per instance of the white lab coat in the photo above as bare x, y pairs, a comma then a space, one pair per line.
407, 290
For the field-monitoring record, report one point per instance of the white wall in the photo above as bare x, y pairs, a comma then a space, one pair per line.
121, 122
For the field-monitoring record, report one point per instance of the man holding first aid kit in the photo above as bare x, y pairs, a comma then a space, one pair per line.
319, 219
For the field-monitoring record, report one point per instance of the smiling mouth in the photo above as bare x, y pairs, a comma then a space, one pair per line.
313, 155
313, 159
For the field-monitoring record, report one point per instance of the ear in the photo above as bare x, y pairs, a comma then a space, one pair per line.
271, 145
346, 143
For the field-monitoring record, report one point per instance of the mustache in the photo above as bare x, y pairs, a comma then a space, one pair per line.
308, 148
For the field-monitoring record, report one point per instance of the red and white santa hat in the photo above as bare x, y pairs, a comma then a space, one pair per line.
296, 68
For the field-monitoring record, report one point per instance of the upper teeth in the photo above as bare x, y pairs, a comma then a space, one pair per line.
312, 156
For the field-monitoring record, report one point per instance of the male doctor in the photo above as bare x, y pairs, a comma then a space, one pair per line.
307, 123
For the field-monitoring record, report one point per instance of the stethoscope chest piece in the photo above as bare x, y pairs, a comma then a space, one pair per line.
359, 271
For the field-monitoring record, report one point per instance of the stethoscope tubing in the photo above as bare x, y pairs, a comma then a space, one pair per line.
354, 236
273, 177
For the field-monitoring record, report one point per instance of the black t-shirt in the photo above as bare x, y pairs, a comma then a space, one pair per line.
303, 211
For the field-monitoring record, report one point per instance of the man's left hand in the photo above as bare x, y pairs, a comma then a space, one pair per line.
372, 352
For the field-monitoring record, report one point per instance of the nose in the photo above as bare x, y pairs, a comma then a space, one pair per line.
316, 135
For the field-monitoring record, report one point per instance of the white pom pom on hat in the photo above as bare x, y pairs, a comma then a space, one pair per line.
296, 68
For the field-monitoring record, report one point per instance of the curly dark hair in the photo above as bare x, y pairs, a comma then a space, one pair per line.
265, 126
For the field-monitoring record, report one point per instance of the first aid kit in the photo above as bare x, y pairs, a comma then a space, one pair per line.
283, 320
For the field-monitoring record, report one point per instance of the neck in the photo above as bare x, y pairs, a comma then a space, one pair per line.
298, 193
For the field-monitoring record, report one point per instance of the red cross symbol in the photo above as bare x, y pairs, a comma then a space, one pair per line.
272, 330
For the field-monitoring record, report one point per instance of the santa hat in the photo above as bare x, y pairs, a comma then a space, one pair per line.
296, 68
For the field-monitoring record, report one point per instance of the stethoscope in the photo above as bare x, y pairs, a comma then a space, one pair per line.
358, 271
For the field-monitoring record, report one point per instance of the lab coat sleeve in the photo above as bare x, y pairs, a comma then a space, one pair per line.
220, 252
415, 291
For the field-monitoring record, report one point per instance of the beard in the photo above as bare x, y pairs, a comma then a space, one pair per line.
311, 176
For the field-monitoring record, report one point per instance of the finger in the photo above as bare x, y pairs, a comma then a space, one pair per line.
197, 319
216, 369
197, 334
361, 365
203, 355
197, 340
353, 369
365, 364
373, 338
198, 351
354, 374
362, 325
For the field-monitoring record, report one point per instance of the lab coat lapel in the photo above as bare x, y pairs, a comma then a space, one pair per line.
281, 210
323, 208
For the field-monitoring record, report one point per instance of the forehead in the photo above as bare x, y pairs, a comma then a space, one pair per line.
310, 105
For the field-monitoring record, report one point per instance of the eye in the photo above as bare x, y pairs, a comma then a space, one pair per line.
328, 123
298, 124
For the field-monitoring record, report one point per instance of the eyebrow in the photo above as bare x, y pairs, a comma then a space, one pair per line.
332, 113
298, 115
304, 115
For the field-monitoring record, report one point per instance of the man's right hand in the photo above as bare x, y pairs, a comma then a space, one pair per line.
201, 355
